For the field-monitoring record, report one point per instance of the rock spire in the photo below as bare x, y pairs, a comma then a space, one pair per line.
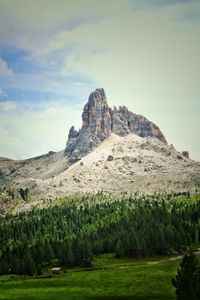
99, 121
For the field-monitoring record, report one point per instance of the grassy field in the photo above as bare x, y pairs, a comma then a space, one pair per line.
110, 279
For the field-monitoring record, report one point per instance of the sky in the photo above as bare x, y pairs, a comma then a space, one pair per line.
53, 54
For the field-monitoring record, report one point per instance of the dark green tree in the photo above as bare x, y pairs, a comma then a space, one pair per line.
187, 281
87, 255
29, 264
67, 257
4, 267
78, 250
119, 250
49, 254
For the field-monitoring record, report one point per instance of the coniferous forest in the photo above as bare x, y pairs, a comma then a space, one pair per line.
72, 232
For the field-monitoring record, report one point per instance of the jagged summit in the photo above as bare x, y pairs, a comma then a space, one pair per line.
99, 121
96, 114
96, 126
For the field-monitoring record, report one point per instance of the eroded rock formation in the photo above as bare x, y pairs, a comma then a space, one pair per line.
96, 127
99, 121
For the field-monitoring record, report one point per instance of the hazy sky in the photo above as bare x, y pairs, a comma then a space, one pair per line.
53, 53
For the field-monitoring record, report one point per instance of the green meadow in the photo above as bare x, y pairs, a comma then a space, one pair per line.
141, 232
109, 279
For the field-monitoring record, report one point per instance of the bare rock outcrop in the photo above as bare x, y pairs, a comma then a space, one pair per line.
96, 127
186, 154
125, 122
96, 114
99, 121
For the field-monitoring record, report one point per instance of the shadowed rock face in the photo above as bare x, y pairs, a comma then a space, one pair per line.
125, 122
96, 127
99, 121
96, 114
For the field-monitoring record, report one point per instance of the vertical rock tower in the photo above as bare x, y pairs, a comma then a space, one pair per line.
99, 121
96, 114
96, 127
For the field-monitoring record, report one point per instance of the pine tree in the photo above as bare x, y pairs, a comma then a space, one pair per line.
49, 254
14, 265
38, 254
78, 250
29, 264
87, 258
4, 267
67, 257
187, 279
119, 250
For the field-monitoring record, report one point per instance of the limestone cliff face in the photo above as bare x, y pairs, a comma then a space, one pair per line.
125, 122
99, 121
96, 127
96, 114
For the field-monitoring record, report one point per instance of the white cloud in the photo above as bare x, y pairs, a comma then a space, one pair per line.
4, 70
29, 131
28, 24
10, 144
146, 59
45, 82
141, 52
7, 106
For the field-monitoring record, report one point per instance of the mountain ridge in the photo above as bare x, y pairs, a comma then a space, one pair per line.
99, 121
115, 151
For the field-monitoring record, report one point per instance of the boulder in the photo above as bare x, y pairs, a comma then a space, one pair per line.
110, 158
186, 154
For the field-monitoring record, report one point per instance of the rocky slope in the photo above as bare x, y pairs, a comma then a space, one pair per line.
115, 151
127, 164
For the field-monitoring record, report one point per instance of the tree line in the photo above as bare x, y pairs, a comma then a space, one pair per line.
71, 233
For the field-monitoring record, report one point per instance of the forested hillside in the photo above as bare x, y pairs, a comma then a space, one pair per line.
70, 233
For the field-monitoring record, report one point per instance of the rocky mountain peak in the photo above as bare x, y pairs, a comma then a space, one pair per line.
96, 127
96, 114
99, 121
